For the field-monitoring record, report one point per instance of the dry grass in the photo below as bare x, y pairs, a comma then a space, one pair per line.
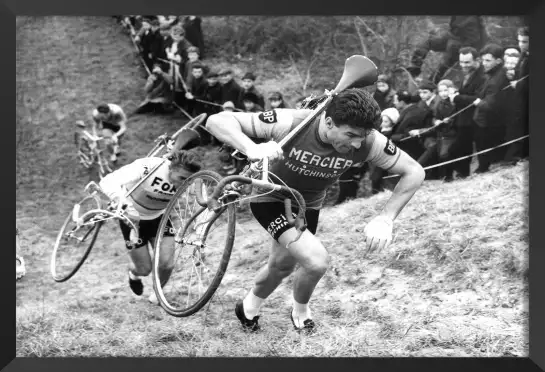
454, 282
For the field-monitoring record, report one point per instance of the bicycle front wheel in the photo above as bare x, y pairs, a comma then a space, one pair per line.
200, 250
75, 239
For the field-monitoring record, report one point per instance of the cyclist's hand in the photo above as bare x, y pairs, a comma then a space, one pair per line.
271, 150
378, 234
114, 138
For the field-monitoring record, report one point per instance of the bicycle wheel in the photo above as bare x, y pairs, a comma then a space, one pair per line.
74, 243
200, 250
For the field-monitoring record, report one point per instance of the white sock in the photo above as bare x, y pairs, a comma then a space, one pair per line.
133, 276
300, 313
252, 304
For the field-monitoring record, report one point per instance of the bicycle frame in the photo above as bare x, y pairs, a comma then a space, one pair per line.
96, 153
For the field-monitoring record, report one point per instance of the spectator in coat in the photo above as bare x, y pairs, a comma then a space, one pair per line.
412, 119
490, 113
230, 90
193, 59
428, 98
158, 90
463, 31
147, 38
197, 89
276, 100
520, 125
248, 81
212, 93
193, 32
468, 92
250, 100
384, 94
445, 130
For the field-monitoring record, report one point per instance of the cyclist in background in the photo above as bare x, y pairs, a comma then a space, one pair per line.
111, 119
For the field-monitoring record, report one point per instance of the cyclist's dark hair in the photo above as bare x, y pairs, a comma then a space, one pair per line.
494, 49
355, 107
184, 159
103, 108
524, 31
469, 50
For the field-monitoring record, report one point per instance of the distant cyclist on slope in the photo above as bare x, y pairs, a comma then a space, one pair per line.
146, 205
344, 135
111, 119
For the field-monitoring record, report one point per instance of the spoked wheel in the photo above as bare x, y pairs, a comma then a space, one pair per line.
74, 243
200, 249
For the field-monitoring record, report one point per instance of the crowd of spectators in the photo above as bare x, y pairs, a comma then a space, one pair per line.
442, 120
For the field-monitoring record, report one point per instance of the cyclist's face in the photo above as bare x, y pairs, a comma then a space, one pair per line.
177, 176
345, 138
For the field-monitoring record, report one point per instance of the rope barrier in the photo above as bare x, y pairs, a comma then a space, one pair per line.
447, 119
465, 157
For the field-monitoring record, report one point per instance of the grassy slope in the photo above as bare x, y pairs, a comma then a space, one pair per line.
454, 282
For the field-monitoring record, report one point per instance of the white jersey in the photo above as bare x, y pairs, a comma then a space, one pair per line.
150, 198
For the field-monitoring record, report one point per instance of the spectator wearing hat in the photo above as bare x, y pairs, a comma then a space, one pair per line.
248, 81
250, 100
212, 93
162, 49
193, 59
193, 32
491, 112
228, 106
390, 117
276, 101
230, 90
384, 94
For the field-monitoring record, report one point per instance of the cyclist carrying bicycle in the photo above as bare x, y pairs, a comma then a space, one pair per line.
112, 120
345, 135
145, 207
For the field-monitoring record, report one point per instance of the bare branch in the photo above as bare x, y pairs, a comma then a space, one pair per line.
360, 36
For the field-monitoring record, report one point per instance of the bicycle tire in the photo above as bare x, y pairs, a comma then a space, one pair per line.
93, 232
230, 211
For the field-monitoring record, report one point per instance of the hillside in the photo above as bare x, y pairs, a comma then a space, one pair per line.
453, 284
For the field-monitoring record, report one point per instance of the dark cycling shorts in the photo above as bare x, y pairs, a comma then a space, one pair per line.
271, 215
113, 128
147, 229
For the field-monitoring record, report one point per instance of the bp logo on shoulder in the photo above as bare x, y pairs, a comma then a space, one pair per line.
268, 117
390, 148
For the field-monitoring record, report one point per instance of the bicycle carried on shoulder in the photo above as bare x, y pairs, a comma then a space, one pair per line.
204, 208
81, 227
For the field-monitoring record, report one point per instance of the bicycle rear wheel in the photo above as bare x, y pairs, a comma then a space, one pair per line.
200, 250
74, 243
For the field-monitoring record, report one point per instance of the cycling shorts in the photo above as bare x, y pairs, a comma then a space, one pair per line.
147, 229
272, 216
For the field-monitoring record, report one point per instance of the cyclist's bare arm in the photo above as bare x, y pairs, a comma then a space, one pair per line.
384, 154
122, 124
236, 128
